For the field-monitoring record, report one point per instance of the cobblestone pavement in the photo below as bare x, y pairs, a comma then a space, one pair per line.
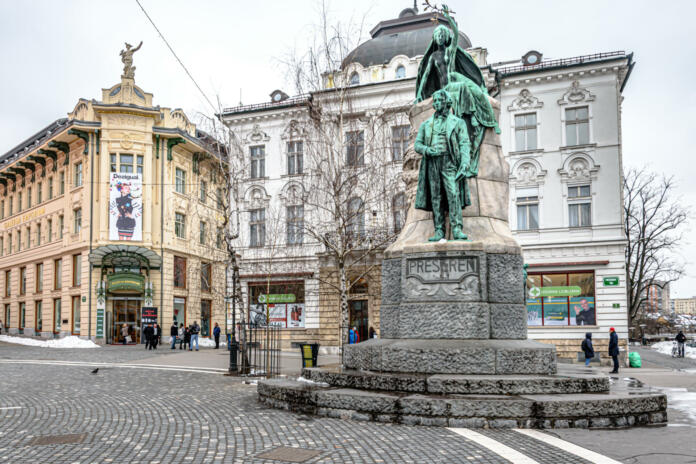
142, 415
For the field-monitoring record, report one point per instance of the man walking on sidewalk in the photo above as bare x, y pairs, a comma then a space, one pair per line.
681, 339
614, 349
195, 329
173, 332
216, 334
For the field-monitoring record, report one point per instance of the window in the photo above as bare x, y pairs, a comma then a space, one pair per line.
22, 316
218, 198
180, 181
76, 315
57, 274
60, 226
355, 145
285, 315
19, 202
29, 197
180, 225
2, 209
206, 314
525, 132
22, 280
56, 315
39, 193
202, 233
356, 218
77, 221
38, 317
28, 235
179, 272
78, 175
127, 163
400, 72
577, 309
354, 79
258, 161
206, 276
19, 240
295, 224
114, 163
577, 122
139, 164
2, 246
61, 183
9, 244
38, 234
9, 205
219, 237
179, 310
257, 227
295, 153
50, 188
8, 283
8, 313
49, 231
528, 213
579, 206
76, 270
399, 211
203, 191
399, 142
38, 278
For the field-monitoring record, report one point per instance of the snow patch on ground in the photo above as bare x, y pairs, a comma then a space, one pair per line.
206, 342
666, 348
66, 342
682, 400
312, 382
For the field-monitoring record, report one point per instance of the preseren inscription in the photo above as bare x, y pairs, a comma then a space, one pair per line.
442, 269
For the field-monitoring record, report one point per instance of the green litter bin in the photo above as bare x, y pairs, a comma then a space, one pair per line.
634, 359
309, 351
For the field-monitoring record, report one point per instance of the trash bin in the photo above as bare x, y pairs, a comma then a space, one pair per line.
634, 359
309, 352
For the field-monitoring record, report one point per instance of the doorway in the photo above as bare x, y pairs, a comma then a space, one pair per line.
358, 317
126, 312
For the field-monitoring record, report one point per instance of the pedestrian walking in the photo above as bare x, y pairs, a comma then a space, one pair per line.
156, 334
216, 334
1, 327
353, 336
124, 334
681, 340
587, 348
182, 335
614, 349
173, 333
187, 337
195, 330
149, 333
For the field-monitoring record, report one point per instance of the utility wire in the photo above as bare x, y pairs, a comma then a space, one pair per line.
177, 58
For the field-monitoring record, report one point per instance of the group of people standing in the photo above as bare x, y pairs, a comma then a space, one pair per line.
588, 349
185, 336
153, 336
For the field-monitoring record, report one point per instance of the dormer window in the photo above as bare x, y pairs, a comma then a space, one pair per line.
354, 79
400, 72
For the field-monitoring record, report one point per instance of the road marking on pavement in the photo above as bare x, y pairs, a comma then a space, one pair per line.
10, 407
498, 448
216, 371
584, 453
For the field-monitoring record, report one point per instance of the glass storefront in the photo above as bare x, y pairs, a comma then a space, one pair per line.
126, 312
283, 303
206, 315
180, 311
561, 299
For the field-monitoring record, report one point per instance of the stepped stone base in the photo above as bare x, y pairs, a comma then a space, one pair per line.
411, 400
438, 356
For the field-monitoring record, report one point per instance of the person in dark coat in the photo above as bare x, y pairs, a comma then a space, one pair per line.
587, 348
614, 349
156, 334
187, 337
216, 334
173, 333
149, 334
681, 339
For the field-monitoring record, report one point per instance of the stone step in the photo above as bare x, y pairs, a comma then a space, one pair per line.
571, 382
598, 410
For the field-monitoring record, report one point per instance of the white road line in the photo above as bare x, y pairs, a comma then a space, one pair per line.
10, 407
126, 366
584, 453
498, 448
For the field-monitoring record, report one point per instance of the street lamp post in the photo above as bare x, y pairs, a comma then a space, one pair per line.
234, 346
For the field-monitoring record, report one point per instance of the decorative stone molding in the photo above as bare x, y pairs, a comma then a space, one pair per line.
256, 197
293, 193
525, 101
576, 94
181, 121
527, 171
293, 130
579, 167
256, 135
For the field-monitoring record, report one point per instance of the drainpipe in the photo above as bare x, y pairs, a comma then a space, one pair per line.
161, 157
91, 234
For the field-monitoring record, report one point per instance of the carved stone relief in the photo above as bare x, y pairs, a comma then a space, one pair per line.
576, 94
525, 101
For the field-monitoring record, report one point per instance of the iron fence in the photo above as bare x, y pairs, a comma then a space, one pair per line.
259, 350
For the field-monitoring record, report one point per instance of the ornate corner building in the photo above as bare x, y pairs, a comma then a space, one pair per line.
108, 218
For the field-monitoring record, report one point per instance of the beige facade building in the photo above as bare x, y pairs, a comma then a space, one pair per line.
108, 217
684, 305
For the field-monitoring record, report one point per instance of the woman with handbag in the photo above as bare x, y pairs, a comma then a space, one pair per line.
124, 334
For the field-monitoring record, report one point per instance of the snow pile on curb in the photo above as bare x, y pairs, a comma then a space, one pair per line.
312, 382
67, 342
666, 348
206, 342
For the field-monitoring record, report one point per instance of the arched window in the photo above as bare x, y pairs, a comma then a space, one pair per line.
356, 218
400, 72
354, 79
399, 211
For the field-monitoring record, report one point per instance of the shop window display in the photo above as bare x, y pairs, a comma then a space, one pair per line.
561, 299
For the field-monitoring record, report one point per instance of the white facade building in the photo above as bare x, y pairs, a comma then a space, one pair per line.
561, 132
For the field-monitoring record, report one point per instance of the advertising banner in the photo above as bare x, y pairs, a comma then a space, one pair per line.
125, 206
296, 315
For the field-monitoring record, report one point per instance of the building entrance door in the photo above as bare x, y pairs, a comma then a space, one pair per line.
359, 317
126, 312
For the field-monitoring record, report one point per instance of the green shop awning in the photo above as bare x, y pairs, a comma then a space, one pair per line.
124, 256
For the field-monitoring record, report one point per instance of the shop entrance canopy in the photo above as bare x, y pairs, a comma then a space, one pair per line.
126, 256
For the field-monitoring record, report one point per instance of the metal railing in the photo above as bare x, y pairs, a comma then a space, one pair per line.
560, 62
298, 100
259, 350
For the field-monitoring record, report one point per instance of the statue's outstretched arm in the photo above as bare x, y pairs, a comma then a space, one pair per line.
138, 47
454, 43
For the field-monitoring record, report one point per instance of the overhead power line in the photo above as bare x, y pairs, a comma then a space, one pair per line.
177, 58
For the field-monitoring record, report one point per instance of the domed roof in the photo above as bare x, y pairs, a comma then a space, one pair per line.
409, 35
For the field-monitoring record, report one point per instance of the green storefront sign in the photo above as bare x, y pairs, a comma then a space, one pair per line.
536, 292
125, 282
611, 281
277, 298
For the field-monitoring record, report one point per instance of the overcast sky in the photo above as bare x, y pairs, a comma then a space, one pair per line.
54, 52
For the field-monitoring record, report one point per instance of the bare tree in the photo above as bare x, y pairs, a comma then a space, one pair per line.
654, 222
